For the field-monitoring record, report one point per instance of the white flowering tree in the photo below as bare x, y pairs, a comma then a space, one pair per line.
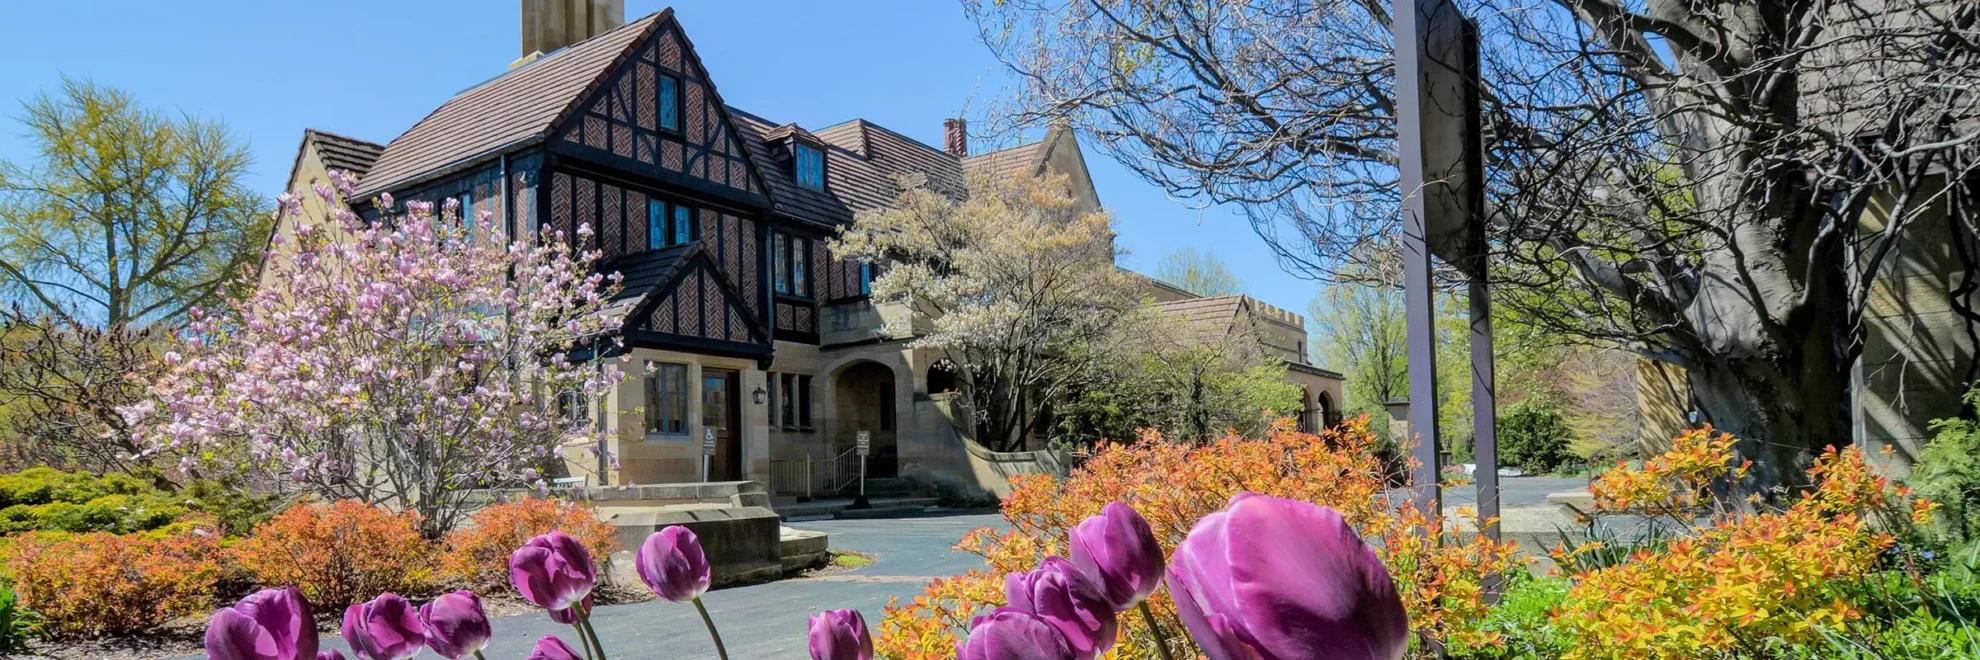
1016, 284
401, 362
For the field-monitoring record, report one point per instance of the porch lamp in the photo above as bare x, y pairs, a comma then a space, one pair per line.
759, 395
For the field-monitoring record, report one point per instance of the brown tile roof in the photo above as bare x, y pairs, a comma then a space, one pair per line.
343, 153
1021, 160
514, 108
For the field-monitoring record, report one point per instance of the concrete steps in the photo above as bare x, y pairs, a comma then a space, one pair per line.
841, 507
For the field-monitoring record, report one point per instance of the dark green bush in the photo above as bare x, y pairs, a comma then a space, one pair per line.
1523, 619
17, 623
50, 500
1948, 472
1534, 437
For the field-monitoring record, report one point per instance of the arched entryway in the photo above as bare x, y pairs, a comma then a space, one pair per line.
863, 393
1330, 414
941, 377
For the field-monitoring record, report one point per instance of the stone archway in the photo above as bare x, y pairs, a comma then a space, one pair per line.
1330, 415
941, 377
864, 400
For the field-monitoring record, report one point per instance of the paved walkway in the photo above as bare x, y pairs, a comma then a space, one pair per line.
768, 620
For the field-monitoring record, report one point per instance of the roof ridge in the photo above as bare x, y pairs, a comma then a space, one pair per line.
317, 131
871, 125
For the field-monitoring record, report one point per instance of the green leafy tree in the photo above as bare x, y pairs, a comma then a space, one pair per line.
126, 215
1192, 383
1948, 472
1201, 273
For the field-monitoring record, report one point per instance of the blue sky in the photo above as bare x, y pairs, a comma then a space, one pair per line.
372, 68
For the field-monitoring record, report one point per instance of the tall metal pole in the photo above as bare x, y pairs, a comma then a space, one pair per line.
1419, 300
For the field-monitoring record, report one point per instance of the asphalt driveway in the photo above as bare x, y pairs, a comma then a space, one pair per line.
768, 620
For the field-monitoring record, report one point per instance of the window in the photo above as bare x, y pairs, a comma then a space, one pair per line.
793, 402
666, 398
810, 167
800, 257
780, 248
670, 103
656, 224
660, 232
683, 224
865, 279
572, 407
467, 213
793, 259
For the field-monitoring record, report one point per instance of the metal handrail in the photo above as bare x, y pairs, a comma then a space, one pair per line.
809, 477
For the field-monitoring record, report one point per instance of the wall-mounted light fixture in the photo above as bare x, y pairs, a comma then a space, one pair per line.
760, 395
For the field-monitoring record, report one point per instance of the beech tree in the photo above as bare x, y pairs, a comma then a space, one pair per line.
1714, 186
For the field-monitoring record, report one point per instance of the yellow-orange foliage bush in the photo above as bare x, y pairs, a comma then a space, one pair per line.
477, 555
97, 583
339, 553
1173, 486
1744, 576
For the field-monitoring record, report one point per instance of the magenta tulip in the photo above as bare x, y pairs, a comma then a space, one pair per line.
552, 571
1012, 634
456, 626
569, 615
384, 628
332, 654
1118, 552
273, 624
1276, 579
840, 635
672, 564
1058, 594
551, 648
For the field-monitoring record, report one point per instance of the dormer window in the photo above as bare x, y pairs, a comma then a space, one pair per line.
809, 165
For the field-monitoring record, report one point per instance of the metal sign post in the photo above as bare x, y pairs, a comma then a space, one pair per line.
1440, 139
707, 451
862, 447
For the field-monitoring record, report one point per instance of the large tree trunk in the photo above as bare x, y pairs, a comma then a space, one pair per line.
1782, 411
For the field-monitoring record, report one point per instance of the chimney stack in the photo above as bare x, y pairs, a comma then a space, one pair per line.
548, 25
955, 137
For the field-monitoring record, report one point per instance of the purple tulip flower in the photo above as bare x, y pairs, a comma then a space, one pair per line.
273, 624
1058, 594
1277, 579
1012, 634
385, 628
1118, 552
456, 626
551, 648
840, 635
568, 615
672, 564
552, 571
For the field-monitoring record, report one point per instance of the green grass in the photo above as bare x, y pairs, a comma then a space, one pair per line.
850, 559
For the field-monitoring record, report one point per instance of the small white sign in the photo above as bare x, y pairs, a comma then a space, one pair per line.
708, 442
863, 443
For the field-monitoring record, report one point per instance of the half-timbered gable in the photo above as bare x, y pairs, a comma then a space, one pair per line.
657, 113
678, 298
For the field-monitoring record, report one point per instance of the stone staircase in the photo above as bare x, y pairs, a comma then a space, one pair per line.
887, 498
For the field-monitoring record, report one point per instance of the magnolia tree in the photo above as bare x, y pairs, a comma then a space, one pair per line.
401, 362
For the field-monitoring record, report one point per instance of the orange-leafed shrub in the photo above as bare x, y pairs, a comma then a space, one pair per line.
97, 583
477, 555
1174, 485
1744, 576
339, 553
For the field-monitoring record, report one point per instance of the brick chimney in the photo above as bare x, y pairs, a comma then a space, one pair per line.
955, 137
548, 25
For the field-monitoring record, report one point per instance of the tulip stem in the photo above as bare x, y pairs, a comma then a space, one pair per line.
477, 655
719, 651
1161, 643
590, 633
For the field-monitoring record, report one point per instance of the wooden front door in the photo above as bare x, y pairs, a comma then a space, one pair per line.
721, 411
